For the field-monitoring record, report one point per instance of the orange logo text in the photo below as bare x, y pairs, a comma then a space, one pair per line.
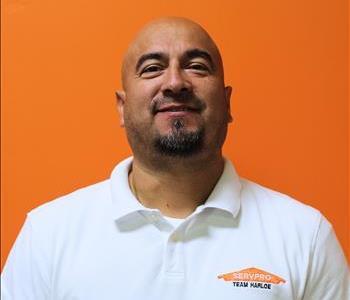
252, 274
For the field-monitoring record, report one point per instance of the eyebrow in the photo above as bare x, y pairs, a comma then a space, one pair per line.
147, 56
194, 53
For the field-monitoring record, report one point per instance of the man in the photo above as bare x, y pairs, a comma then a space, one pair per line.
175, 221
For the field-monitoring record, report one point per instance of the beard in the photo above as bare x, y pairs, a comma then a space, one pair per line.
179, 142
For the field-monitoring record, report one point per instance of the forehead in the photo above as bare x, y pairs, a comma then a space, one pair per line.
172, 39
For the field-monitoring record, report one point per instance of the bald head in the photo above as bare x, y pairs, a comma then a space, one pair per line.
169, 32
174, 100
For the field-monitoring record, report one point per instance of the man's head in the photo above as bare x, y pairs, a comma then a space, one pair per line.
174, 103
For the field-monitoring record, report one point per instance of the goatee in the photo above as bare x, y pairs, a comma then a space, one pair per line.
180, 142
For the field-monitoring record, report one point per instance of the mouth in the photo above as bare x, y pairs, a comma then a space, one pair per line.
176, 108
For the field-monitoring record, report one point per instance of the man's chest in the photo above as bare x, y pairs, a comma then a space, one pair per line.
172, 266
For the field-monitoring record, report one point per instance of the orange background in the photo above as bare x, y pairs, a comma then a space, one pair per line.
287, 61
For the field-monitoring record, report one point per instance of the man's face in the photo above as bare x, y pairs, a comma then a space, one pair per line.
174, 100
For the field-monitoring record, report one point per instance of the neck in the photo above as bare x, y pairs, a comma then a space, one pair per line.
176, 191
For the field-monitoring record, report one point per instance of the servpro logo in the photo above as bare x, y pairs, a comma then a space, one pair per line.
252, 278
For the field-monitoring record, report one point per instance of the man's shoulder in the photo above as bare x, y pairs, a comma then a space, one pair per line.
92, 197
278, 206
81, 201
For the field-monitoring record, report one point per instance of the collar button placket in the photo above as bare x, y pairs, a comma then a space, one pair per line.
174, 255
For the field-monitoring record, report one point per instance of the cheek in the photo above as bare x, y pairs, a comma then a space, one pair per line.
146, 88
140, 95
214, 98
135, 112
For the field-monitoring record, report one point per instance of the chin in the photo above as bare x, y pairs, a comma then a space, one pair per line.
180, 142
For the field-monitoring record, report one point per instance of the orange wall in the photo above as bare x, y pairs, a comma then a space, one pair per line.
287, 61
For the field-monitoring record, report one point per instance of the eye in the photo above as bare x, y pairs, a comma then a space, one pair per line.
199, 67
151, 70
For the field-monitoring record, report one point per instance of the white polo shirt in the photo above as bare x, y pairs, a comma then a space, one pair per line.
246, 242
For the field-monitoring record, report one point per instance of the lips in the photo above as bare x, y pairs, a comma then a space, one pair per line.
176, 108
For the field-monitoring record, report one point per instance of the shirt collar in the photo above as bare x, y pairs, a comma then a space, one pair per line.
225, 195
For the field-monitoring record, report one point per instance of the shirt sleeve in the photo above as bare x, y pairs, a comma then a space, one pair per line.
25, 275
328, 277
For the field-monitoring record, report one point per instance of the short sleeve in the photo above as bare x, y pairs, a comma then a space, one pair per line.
25, 276
328, 276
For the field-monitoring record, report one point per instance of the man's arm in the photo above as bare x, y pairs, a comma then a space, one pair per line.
328, 276
25, 273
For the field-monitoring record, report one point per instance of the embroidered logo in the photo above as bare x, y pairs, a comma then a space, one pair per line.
253, 278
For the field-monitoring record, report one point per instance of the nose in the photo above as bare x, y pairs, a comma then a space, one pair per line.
176, 82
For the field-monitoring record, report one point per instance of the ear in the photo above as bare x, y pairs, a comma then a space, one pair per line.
228, 92
121, 96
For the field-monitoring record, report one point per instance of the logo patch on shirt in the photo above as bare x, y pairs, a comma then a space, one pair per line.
252, 278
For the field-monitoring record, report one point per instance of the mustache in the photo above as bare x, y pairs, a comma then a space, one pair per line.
191, 101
